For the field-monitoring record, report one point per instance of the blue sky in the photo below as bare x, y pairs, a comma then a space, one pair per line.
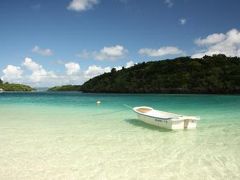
45, 43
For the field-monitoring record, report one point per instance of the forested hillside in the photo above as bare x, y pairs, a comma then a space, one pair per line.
210, 74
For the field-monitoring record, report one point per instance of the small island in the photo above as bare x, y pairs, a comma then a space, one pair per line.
5, 86
216, 74
66, 88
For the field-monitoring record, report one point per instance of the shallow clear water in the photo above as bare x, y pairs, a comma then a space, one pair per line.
67, 136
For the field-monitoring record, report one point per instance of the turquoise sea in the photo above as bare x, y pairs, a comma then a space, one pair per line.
67, 136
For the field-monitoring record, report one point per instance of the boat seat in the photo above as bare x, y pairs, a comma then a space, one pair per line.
144, 110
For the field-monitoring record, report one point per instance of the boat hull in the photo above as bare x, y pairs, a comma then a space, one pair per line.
190, 124
163, 123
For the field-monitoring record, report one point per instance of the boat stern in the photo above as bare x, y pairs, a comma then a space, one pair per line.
191, 122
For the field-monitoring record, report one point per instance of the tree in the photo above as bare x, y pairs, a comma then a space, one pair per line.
113, 70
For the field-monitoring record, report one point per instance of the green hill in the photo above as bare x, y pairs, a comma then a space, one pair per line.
65, 88
14, 87
210, 74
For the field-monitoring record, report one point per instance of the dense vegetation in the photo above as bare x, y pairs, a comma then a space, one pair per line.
210, 74
14, 87
65, 88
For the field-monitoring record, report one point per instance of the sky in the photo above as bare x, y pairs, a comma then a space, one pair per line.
54, 42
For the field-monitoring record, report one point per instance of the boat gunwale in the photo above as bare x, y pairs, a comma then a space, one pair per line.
165, 119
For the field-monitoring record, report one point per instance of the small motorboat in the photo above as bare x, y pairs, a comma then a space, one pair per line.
165, 119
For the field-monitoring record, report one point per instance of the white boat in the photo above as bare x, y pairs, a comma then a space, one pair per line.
1, 90
165, 119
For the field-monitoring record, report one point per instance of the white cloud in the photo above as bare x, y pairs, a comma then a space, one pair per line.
183, 21
12, 73
82, 5
163, 51
72, 68
94, 70
111, 53
228, 44
129, 64
39, 74
42, 52
169, 3
41, 77
106, 53
31, 65
34, 74
211, 39
118, 68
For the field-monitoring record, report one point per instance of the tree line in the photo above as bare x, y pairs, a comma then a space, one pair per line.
210, 74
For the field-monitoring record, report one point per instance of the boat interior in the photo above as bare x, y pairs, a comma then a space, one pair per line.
144, 110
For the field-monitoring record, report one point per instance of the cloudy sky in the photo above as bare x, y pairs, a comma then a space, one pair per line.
55, 42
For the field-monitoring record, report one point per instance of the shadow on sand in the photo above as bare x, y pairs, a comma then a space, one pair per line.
141, 124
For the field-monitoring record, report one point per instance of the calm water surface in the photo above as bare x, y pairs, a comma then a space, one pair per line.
67, 136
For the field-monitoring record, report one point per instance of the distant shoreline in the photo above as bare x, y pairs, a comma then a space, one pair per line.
121, 93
